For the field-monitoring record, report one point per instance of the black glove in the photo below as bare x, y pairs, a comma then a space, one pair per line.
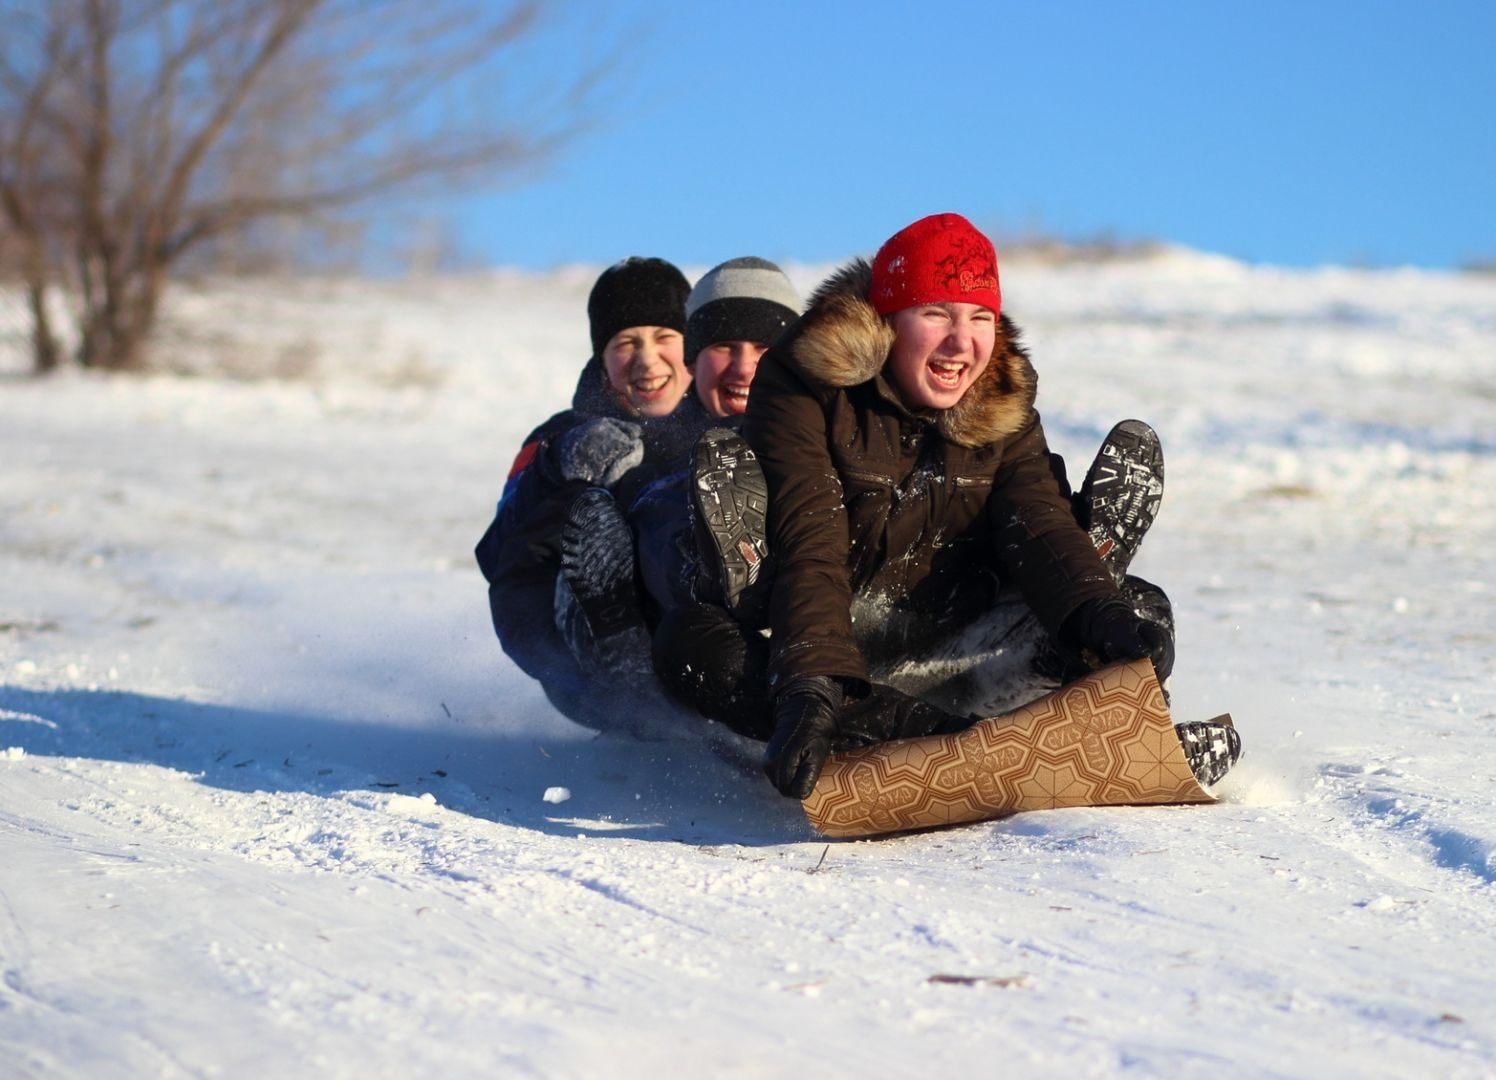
599, 451
1106, 631
804, 728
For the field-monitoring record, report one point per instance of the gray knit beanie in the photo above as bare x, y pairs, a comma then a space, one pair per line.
746, 299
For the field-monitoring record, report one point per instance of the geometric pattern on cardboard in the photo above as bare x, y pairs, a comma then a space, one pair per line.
1104, 740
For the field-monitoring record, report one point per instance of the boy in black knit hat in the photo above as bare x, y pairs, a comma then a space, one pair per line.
637, 315
618, 435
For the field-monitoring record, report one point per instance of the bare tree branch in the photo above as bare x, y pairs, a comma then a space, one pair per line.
135, 132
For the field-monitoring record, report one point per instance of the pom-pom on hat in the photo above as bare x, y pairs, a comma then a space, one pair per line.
746, 299
636, 292
939, 259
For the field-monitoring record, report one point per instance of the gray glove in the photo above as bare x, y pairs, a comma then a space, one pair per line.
599, 451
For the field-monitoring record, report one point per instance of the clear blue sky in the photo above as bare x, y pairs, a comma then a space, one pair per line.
1292, 133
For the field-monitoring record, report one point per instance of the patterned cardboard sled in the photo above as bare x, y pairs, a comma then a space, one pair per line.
1104, 740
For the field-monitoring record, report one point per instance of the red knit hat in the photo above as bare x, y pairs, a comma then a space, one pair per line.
942, 258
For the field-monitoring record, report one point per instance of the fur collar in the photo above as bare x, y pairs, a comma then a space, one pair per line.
842, 342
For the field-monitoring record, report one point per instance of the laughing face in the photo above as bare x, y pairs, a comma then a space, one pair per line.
646, 368
724, 371
939, 350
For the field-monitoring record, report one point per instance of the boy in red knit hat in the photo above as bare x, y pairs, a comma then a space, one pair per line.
936, 285
894, 467
940, 258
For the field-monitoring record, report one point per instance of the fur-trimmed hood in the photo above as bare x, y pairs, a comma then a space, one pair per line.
841, 341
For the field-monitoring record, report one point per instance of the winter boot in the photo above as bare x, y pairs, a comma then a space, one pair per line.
730, 511
1211, 747
1121, 493
602, 620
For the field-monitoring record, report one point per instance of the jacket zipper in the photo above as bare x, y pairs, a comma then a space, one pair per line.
872, 477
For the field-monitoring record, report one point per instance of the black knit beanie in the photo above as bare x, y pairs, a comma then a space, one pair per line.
747, 299
636, 292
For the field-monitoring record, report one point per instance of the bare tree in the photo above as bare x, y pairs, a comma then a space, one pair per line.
135, 132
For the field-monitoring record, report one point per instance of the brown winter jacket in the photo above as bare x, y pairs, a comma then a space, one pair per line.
916, 509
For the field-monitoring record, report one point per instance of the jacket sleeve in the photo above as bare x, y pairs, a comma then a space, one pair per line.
810, 606
1041, 548
520, 555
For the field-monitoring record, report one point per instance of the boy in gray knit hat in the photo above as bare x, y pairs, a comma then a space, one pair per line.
735, 312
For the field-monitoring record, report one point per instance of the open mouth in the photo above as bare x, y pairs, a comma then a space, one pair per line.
650, 386
734, 398
946, 374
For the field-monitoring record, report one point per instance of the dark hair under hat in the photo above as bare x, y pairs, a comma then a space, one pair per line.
745, 299
636, 292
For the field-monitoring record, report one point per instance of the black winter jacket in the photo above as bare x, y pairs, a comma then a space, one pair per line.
520, 555
868, 498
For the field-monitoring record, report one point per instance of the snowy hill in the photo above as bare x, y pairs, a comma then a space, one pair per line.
272, 800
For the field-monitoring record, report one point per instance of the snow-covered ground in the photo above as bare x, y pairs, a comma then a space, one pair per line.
272, 800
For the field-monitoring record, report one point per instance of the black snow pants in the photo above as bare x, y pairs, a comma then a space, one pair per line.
719, 667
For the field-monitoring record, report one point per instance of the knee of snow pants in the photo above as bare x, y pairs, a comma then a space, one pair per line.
883, 713
661, 519
717, 666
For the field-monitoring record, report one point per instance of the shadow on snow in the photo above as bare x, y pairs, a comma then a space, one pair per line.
699, 787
